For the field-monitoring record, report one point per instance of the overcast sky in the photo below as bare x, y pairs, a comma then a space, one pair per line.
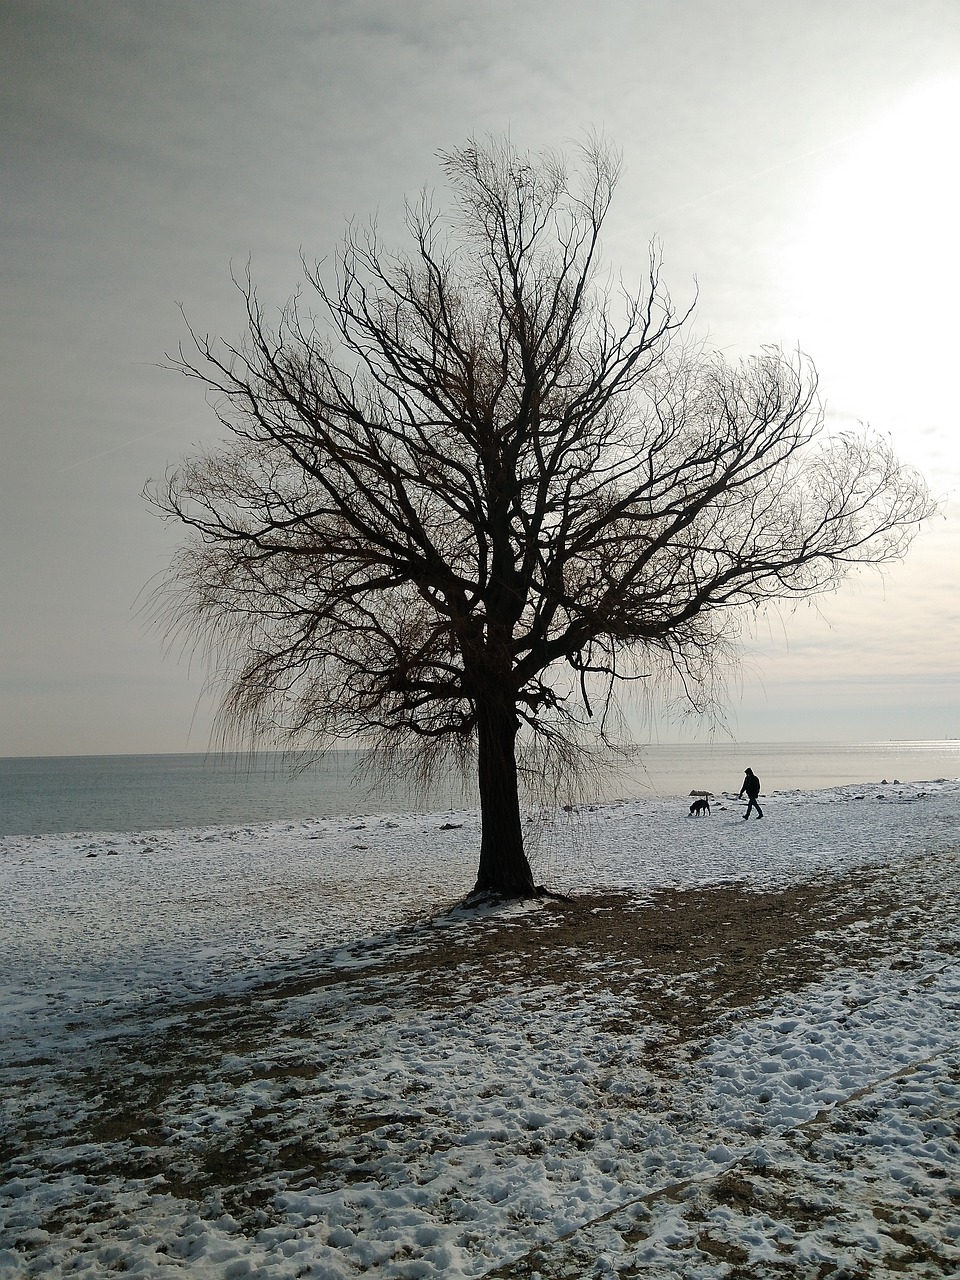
797, 158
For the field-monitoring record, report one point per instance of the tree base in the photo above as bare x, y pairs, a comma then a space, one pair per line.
497, 897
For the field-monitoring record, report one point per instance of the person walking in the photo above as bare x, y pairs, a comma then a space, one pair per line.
751, 789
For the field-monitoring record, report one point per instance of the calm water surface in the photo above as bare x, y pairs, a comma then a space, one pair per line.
133, 793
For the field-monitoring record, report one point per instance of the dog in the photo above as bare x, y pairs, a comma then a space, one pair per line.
699, 808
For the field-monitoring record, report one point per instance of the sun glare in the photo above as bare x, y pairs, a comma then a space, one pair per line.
873, 274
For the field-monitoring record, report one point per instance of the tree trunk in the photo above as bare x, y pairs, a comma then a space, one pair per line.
503, 864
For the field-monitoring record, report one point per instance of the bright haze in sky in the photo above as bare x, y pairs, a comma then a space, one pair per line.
797, 162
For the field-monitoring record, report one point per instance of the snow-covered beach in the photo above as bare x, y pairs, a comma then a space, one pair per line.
274, 1051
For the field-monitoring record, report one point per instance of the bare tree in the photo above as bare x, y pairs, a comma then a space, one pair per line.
484, 488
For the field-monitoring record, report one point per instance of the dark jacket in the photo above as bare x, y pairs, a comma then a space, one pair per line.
751, 785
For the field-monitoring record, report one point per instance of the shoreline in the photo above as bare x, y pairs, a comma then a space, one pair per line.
531, 810
140, 794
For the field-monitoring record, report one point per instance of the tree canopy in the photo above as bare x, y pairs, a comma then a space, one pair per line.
478, 488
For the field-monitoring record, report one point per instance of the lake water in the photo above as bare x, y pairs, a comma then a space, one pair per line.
135, 793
